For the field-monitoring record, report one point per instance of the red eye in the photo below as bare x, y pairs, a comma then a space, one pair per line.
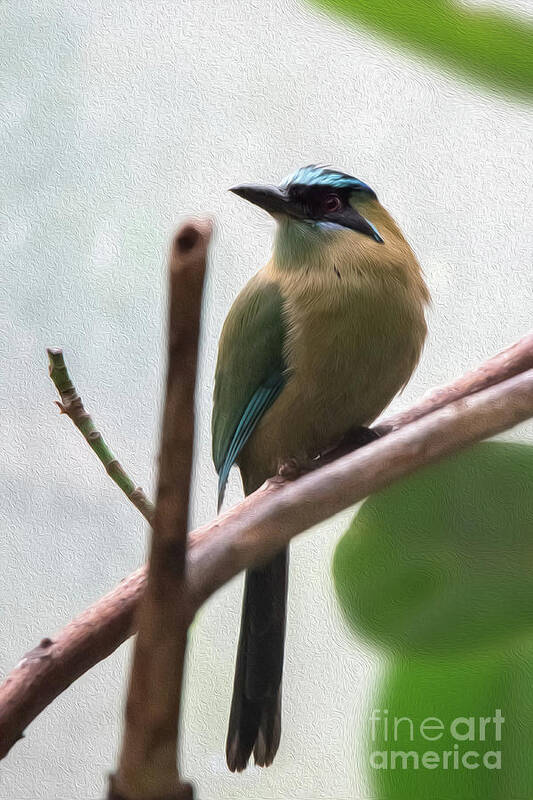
332, 202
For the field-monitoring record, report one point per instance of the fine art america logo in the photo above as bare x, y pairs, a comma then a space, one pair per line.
467, 741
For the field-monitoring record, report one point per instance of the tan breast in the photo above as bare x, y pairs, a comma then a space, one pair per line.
354, 336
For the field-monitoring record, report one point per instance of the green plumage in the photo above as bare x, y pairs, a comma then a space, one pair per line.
250, 371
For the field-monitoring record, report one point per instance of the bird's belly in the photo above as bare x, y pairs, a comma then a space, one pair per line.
345, 364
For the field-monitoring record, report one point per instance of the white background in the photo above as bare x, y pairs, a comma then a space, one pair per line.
119, 119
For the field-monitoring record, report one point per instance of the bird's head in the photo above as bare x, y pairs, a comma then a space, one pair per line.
319, 197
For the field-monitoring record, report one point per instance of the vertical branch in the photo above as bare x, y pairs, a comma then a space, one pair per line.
147, 766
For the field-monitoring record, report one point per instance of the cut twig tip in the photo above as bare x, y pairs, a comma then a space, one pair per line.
191, 234
186, 239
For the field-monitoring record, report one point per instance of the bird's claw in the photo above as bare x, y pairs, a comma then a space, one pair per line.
289, 469
292, 468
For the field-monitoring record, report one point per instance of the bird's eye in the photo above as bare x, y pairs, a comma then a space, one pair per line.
332, 202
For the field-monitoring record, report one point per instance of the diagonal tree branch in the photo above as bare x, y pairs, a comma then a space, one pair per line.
242, 536
147, 766
71, 404
516, 358
258, 528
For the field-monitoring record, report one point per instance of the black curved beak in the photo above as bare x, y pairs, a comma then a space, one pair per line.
270, 198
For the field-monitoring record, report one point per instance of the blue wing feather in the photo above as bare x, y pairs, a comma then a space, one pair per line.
259, 403
250, 371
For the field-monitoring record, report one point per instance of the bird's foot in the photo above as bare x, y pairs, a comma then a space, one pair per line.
292, 468
289, 469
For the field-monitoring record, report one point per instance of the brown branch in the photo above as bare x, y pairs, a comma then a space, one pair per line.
92, 636
148, 760
511, 361
266, 521
51, 667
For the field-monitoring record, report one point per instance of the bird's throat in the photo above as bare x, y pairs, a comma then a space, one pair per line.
298, 244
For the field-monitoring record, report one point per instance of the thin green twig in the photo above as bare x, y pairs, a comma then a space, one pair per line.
71, 404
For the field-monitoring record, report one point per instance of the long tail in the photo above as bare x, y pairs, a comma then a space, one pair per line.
255, 717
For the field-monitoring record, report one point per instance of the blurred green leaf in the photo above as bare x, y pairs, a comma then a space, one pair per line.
469, 687
442, 561
488, 46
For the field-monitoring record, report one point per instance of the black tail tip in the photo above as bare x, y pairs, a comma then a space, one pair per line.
262, 757
237, 756
238, 753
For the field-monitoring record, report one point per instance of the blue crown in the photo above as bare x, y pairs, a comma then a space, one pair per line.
316, 175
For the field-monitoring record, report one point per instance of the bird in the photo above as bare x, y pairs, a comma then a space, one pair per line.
315, 346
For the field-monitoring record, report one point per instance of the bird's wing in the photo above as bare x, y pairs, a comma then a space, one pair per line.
250, 371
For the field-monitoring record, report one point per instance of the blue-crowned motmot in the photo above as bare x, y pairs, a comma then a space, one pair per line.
315, 346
